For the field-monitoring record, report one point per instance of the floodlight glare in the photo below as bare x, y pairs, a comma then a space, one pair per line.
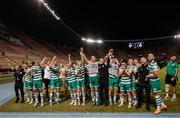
99, 41
83, 39
50, 10
90, 41
177, 36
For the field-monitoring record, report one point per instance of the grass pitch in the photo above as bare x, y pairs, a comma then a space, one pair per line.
64, 106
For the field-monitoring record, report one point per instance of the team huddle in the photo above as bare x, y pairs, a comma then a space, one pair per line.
110, 81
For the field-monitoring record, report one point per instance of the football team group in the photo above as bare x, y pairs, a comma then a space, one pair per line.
108, 81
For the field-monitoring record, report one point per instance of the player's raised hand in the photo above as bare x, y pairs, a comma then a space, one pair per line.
81, 49
45, 58
54, 57
69, 55
111, 50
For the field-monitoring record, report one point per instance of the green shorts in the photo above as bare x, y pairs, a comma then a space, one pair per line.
72, 85
37, 84
28, 84
94, 81
66, 82
113, 82
125, 87
80, 83
133, 85
55, 83
155, 85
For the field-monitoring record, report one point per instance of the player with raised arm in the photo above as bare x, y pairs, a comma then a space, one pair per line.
113, 77
71, 81
47, 76
93, 77
54, 81
80, 80
64, 80
36, 72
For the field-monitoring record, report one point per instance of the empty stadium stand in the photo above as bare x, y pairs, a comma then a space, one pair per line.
17, 47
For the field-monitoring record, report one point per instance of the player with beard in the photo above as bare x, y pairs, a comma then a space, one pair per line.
171, 77
154, 82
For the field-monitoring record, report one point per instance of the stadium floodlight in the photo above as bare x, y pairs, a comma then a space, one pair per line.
41, 0
177, 36
50, 10
90, 41
99, 41
83, 39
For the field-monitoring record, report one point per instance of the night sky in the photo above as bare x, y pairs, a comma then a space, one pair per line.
108, 20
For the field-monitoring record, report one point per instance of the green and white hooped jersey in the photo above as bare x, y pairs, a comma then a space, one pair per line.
93, 69
81, 72
36, 72
54, 72
125, 79
71, 77
113, 70
28, 77
152, 67
77, 69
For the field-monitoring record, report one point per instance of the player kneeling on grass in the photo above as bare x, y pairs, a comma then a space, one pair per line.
28, 85
80, 81
54, 81
71, 81
113, 79
154, 82
171, 77
125, 83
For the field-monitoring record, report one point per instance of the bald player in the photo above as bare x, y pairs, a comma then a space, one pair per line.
171, 77
93, 76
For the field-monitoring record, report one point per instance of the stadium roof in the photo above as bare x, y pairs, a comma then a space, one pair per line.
109, 20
